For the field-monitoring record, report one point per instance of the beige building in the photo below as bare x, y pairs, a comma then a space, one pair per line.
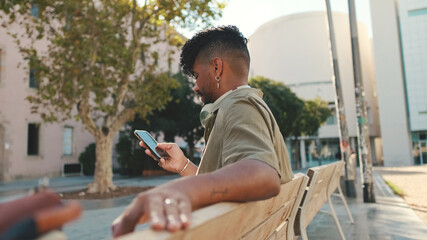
28, 146
295, 50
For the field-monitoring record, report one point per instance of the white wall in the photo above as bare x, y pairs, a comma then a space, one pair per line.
414, 44
294, 50
391, 97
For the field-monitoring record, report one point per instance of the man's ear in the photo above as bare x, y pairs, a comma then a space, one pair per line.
218, 66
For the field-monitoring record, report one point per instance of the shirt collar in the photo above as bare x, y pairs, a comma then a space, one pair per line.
208, 109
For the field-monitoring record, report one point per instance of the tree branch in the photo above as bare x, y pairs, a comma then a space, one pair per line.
121, 92
95, 44
84, 112
124, 116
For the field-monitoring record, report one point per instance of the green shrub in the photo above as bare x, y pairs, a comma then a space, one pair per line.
87, 158
132, 158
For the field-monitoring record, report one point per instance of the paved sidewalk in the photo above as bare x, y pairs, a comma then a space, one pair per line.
96, 220
16, 189
390, 218
411, 180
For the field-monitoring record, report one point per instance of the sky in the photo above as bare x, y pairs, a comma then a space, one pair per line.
248, 15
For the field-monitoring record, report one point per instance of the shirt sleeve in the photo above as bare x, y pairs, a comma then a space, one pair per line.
247, 136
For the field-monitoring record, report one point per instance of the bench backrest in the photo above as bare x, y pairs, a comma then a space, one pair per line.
323, 182
336, 176
267, 219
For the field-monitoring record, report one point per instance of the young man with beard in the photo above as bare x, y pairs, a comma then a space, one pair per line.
245, 157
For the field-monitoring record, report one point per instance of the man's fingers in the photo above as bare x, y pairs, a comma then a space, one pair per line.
162, 162
122, 225
184, 213
157, 218
165, 146
142, 144
167, 213
148, 152
130, 217
177, 213
116, 227
172, 215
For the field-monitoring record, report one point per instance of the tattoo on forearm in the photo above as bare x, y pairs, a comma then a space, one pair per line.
221, 192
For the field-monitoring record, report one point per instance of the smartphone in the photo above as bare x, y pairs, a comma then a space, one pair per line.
151, 144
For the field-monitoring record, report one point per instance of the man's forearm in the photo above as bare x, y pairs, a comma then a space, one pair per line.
246, 180
169, 206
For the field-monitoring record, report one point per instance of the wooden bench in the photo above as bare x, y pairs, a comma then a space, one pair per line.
268, 219
324, 181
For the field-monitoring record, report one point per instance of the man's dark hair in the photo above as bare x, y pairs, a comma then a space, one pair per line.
223, 40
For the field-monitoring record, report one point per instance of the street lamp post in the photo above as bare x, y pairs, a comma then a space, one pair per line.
365, 158
350, 189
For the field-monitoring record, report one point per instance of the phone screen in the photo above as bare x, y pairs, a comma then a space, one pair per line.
151, 143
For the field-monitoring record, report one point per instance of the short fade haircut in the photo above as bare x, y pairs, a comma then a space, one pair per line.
222, 40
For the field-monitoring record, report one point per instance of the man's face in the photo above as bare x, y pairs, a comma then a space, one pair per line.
205, 85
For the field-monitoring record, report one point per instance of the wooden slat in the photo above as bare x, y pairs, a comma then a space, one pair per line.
323, 182
318, 191
335, 179
281, 230
233, 220
269, 226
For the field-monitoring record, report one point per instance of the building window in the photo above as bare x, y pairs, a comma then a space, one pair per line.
32, 77
417, 12
33, 139
332, 119
35, 10
67, 139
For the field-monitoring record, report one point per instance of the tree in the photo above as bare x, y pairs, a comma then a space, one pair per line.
283, 103
180, 117
313, 115
101, 61
87, 159
131, 156
294, 116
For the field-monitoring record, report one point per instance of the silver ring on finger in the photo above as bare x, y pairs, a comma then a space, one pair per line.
170, 201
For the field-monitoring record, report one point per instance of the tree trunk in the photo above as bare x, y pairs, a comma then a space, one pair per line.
103, 178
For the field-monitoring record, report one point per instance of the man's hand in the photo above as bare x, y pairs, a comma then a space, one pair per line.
176, 160
165, 209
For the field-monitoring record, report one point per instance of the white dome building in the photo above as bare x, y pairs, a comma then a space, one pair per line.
295, 50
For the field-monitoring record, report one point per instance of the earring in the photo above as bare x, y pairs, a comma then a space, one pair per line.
217, 81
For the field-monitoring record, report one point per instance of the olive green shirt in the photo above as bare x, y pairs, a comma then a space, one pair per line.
241, 126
